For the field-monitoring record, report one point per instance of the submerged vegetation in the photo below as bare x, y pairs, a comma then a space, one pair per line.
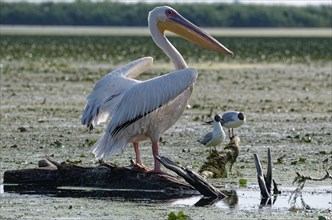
116, 49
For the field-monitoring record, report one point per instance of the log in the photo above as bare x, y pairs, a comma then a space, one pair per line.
216, 163
105, 180
106, 176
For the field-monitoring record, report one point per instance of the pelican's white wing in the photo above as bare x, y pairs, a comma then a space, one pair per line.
140, 100
109, 90
149, 95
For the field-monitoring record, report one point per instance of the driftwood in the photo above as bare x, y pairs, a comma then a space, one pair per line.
300, 180
107, 180
216, 164
193, 179
265, 181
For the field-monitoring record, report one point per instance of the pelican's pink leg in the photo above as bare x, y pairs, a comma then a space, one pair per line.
138, 156
155, 153
157, 167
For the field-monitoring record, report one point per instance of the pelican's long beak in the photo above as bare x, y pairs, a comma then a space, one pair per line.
184, 28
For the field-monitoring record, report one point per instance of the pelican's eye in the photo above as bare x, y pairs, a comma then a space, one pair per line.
169, 12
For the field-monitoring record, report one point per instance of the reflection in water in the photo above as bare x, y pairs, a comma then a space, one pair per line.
93, 192
251, 200
266, 202
230, 201
244, 199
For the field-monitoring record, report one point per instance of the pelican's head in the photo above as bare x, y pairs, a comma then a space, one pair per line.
166, 18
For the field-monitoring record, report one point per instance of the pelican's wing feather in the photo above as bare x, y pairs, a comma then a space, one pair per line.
206, 139
149, 95
139, 101
108, 91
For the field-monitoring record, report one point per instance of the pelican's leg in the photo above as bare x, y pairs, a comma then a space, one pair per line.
137, 153
229, 133
155, 153
139, 162
157, 167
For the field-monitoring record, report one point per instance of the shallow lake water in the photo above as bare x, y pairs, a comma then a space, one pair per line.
243, 201
288, 108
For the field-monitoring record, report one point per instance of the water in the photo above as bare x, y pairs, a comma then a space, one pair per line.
251, 200
317, 198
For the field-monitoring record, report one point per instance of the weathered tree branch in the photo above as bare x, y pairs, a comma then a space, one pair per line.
265, 182
193, 179
128, 181
260, 177
268, 179
300, 178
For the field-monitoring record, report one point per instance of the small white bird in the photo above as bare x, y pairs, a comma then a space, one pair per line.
216, 136
231, 120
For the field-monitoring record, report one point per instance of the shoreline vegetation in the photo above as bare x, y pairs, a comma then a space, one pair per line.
84, 46
112, 13
143, 31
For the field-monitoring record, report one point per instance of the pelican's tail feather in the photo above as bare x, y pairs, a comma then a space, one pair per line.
107, 146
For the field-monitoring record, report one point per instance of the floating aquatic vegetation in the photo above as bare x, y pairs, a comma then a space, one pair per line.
117, 49
179, 216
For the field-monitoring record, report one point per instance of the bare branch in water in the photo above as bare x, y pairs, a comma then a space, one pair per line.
300, 180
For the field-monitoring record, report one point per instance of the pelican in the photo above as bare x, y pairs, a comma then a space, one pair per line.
142, 110
231, 120
216, 136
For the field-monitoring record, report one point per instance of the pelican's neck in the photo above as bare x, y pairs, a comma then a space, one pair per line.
166, 46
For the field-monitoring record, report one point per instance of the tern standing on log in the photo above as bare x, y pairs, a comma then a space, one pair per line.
216, 136
141, 110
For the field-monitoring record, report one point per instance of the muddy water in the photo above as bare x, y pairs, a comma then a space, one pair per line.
288, 108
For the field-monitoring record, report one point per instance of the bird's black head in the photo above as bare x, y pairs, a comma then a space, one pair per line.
241, 116
217, 118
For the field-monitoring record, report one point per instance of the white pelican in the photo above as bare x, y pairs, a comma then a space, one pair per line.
141, 110
216, 136
231, 120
